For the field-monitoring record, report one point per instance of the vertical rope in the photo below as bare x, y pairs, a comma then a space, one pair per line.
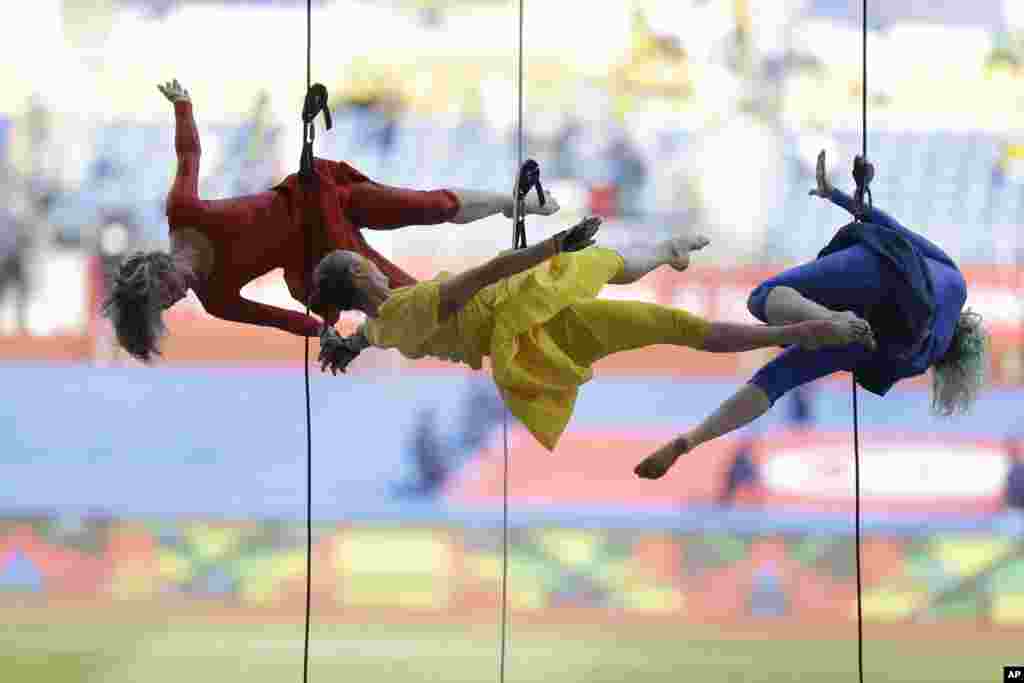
519, 92
504, 554
864, 80
856, 426
505, 469
309, 420
856, 500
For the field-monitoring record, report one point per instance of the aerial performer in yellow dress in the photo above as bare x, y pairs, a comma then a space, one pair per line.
536, 314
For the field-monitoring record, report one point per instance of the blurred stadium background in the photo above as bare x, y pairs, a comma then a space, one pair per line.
151, 518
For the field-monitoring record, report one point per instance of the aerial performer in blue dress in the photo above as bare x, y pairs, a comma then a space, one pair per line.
907, 288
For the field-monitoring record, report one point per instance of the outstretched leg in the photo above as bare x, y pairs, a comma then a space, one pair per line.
382, 207
593, 329
745, 406
792, 368
838, 289
640, 259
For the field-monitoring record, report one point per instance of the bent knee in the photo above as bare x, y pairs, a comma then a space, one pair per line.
757, 299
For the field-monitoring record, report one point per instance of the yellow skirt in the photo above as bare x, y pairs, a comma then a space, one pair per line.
549, 328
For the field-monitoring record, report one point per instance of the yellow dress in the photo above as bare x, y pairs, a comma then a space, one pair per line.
542, 328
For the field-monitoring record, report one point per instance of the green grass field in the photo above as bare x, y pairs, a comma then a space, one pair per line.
194, 653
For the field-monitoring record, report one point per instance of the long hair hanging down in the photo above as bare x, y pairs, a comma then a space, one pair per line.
960, 374
133, 305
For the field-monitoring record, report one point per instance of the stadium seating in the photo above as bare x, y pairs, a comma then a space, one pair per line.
941, 182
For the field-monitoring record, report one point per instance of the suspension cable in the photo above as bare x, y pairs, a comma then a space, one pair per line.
307, 143
518, 241
856, 425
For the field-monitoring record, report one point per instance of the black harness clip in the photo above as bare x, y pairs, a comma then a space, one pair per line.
529, 178
316, 102
863, 174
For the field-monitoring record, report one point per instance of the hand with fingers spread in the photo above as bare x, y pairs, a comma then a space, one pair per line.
173, 91
579, 236
824, 188
336, 352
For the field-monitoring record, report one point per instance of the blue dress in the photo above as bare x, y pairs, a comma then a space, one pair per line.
908, 288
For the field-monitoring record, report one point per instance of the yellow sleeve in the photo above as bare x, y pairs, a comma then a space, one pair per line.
408, 318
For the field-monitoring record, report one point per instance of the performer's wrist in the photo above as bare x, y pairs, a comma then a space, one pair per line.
360, 338
663, 253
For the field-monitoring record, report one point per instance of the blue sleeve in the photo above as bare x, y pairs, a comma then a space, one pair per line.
873, 215
796, 366
879, 217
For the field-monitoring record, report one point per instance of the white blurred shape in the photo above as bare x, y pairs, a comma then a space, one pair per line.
739, 172
113, 239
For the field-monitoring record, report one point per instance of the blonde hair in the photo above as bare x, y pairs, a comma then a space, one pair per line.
957, 377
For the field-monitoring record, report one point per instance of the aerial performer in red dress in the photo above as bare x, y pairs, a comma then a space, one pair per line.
907, 288
217, 246
535, 313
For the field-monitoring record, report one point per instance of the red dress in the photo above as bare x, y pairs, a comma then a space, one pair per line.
255, 234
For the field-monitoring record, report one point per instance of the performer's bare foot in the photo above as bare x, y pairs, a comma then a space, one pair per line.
655, 466
532, 205
843, 328
680, 248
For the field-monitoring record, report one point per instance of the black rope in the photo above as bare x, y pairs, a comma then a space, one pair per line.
314, 104
307, 177
518, 242
504, 554
862, 177
856, 500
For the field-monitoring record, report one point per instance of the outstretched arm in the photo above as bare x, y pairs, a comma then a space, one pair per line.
458, 290
826, 190
873, 215
185, 189
242, 310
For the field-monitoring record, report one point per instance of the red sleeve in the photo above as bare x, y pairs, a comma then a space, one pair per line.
185, 190
342, 173
381, 207
242, 310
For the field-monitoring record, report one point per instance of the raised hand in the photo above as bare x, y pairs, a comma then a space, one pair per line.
173, 91
824, 186
579, 236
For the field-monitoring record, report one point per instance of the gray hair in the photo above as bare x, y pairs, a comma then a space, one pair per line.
134, 305
957, 377
333, 284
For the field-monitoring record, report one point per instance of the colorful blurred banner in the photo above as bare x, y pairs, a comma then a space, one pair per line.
254, 569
